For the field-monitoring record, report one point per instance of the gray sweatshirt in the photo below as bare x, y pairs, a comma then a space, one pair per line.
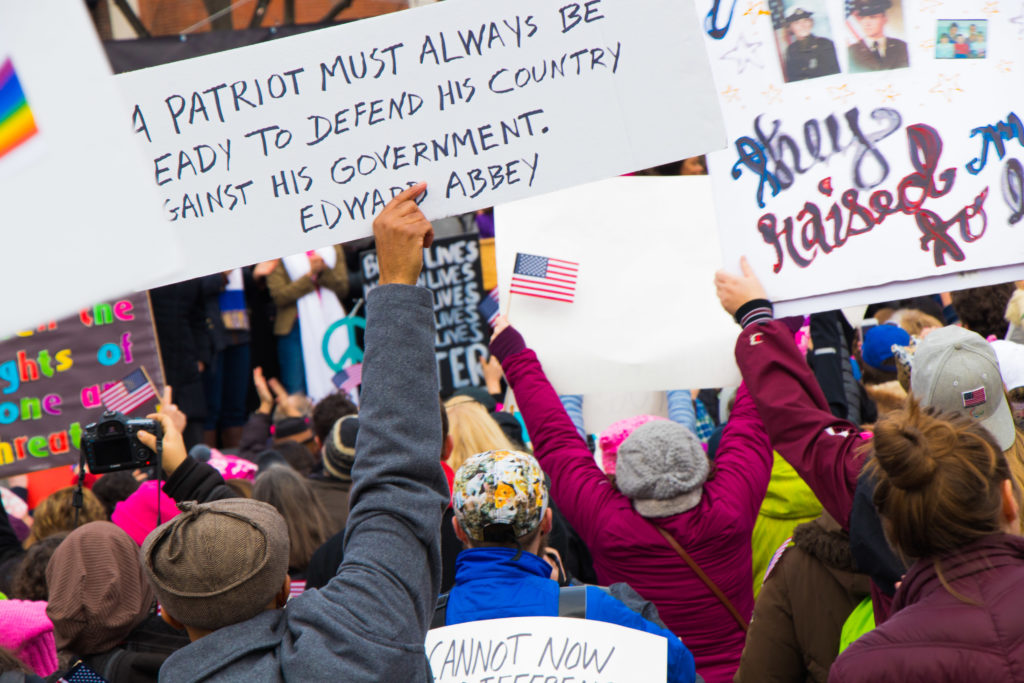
370, 621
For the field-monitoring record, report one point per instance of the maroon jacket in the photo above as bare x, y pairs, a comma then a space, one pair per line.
627, 547
821, 447
935, 637
824, 449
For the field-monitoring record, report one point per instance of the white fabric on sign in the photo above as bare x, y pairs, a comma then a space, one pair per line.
318, 310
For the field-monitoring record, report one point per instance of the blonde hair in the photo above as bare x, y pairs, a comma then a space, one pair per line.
914, 321
55, 513
472, 430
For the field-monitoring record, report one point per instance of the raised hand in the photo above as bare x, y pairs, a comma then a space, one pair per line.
402, 232
734, 291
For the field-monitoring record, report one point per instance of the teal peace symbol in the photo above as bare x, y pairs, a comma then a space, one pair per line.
353, 353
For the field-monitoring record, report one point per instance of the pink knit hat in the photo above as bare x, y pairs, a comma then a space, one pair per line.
28, 632
136, 514
232, 466
613, 436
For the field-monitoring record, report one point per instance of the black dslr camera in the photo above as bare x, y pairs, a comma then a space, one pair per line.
112, 443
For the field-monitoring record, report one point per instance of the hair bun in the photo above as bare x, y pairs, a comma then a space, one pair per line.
903, 454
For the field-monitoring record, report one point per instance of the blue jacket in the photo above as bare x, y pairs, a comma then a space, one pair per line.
494, 583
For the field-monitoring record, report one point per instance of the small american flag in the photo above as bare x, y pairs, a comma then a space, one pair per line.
974, 398
128, 393
778, 10
297, 589
489, 307
81, 674
349, 378
852, 23
546, 278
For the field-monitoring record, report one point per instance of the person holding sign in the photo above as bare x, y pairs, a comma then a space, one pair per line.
503, 519
876, 51
678, 535
220, 568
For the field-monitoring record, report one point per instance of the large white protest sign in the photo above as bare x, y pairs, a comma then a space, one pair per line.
297, 143
645, 315
79, 223
872, 142
544, 649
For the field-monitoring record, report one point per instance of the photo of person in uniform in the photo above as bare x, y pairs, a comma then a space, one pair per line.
803, 39
875, 51
808, 55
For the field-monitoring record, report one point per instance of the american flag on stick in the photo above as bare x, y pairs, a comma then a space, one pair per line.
128, 393
546, 278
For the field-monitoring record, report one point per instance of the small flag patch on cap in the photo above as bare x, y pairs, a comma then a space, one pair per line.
974, 398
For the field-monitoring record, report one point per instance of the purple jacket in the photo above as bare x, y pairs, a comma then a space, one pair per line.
626, 546
935, 637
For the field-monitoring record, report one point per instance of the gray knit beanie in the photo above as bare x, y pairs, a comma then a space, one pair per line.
218, 563
339, 453
662, 469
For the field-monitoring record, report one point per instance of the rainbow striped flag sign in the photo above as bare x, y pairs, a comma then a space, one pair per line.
17, 125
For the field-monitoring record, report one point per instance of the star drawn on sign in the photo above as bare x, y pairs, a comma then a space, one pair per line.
773, 94
841, 93
731, 94
744, 53
888, 93
947, 86
991, 7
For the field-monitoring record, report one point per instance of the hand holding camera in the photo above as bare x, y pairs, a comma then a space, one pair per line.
174, 452
111, 444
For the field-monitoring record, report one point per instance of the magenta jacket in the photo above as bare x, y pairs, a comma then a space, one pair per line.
626, 546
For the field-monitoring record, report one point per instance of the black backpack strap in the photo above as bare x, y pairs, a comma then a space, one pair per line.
440, 612
572, 602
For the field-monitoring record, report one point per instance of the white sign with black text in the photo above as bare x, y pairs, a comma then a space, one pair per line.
297, 143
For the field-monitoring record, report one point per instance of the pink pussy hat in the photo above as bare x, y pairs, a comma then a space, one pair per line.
613, 436
28, 632
136, 514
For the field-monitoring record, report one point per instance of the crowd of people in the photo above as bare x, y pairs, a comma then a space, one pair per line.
850, 512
